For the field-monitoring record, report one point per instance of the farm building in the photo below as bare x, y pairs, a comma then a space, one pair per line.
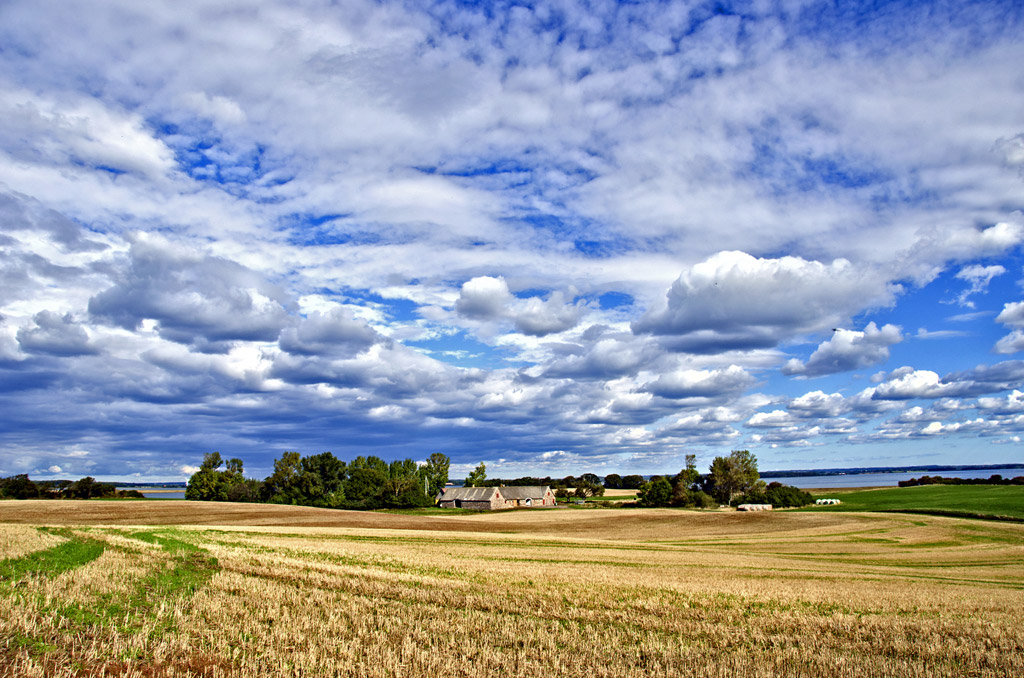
479, 498
532, 495
494, 498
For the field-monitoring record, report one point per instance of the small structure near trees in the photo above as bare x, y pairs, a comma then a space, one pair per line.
495, 498
531, 496
476, 498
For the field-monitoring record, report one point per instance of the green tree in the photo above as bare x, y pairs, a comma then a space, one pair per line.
282, 486
689, 476
403, 477
613, 481
658, 492
477, 476
436, 472
632, 482
87, 488
205, 484
585, 488
250, 490
320, 481
364, 487
733, 475
18, 487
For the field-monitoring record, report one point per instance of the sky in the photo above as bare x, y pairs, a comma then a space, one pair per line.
555, 238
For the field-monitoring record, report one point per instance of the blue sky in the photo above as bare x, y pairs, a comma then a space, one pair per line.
552, 237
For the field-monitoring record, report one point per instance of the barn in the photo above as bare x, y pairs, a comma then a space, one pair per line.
531, 495
494, 498
478, 498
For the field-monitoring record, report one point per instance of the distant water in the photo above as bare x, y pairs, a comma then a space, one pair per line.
887, 479
155, 493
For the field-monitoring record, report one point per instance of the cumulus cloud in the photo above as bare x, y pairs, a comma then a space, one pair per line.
489, 299
1012, 403
607, 358
818, 404
55, 335
907, 383
540, 318
716, 383
848, 350
194, 298
736, 300
911, 383
773, 419
1012, 316
484, 298
332, 333
85, 131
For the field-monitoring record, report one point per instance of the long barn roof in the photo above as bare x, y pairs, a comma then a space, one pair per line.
469, 493
524, 492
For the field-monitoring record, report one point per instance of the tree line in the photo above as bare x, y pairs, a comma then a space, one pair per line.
22, 487
587, 485
994, 479
731, 480
323, 480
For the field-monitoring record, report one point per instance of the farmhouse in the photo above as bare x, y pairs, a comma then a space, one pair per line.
479, 498
532, 495
494, 498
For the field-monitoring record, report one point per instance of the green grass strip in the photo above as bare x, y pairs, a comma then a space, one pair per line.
53, 561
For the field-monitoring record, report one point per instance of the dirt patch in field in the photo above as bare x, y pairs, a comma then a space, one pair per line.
632, 525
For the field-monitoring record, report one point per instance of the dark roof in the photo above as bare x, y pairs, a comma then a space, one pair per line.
525, 492
469, 493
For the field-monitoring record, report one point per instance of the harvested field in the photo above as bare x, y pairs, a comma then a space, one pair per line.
575, 593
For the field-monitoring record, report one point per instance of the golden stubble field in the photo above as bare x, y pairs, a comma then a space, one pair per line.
157, 589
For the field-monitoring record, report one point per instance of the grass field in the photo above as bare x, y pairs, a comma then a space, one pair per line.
958, 500
141, 590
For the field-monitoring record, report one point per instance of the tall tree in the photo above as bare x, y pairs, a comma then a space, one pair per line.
632, 482
477, 476
734, 474
689, 476
282, 486
205, 484
436, 472
658, 492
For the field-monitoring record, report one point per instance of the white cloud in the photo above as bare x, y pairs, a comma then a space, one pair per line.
914, 384
848, 350
979, 278
484, 298
818, 404
687, 383
1012, 316
487, 298
734, 299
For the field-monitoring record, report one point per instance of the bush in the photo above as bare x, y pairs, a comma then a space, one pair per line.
776, 494
690, 498
658, 492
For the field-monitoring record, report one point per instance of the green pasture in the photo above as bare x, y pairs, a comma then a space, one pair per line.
969, 501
